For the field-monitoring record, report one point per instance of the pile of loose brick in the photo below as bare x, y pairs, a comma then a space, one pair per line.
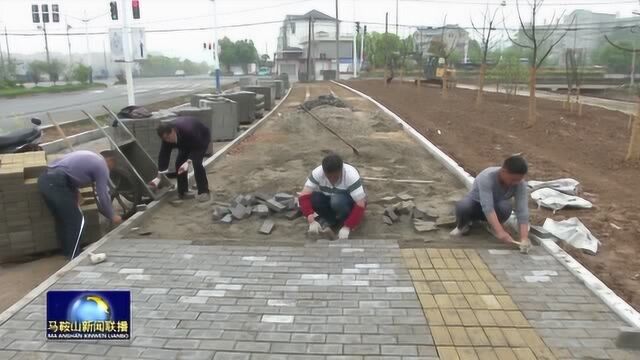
262, 205
424, 218
26, 224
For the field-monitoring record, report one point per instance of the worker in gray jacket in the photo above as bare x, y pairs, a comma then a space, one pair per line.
490, 200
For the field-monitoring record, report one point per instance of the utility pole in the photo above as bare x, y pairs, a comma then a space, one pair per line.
104, 53
68, 41
126, 42
3, 70
396, 17
386, 23
86, 37
633, 68
46, 42
364, 35
309, 51
337, 44
216, 56
6, 39
355, 53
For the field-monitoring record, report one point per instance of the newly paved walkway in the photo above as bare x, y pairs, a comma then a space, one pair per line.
358, 299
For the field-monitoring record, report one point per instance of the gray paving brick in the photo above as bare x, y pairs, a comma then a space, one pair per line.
415, 339
196, 354
149, 342
126, 351
288, 348
58, 347
324, 349
273, 336
308, 338
405, 350
344, 338
91, 349
372, 349
231, 356
28, 345
182, 344
217, 344
56, 357
252, 346
361, 329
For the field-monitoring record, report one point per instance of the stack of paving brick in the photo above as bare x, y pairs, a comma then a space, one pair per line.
268, 93
277, 84
224, 120
145, 132
26, 225
424, 217
243, 206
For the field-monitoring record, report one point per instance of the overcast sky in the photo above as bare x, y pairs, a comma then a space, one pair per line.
174, 14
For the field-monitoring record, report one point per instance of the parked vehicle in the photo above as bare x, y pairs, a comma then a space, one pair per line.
22, 140
180, 73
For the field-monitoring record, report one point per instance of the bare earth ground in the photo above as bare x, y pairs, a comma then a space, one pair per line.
590, 149
16, 280
280, 156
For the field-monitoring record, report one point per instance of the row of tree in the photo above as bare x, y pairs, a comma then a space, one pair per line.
158, 65
241, 52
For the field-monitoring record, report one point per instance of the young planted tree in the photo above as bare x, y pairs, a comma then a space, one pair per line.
406, 49
540, 40
486, 44
633, 150
445, 50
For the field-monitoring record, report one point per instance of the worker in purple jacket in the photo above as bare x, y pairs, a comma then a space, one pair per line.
60, 184
192, 139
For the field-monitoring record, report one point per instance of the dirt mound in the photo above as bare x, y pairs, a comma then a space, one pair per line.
324, 100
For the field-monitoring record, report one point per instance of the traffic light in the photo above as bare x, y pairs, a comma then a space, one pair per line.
135, 5
55, 13
45, 13
35, 13
209, 46
204, 46
113, 6
358, 27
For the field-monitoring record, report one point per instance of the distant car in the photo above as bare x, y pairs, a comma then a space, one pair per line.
264, 71
180, 73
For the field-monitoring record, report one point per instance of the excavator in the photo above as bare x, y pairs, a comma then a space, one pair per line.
434, 70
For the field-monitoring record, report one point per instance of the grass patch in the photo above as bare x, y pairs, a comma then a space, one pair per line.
22, 91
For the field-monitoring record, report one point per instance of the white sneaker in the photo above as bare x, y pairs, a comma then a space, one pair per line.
457, 232
204, 197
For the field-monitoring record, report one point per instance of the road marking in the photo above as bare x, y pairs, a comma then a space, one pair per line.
307, 95
97, 91
174, 91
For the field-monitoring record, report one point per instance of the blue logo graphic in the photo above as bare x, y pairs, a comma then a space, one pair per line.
89, 315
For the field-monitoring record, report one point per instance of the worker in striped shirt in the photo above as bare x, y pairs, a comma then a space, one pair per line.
333, 195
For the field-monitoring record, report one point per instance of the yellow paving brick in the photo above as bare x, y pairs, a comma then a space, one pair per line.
524, 354
467, 353
513, 337
486, 354
472, 275
451, 287
451, 317
496, 338
459, 336
443, 301
433, 253
459, 254
446, 253
471, 253
438, 263
430, 275
486, 275
421, 287
481, 287
518, 319
484, 318
441, 336
496, 288
479, 264
465, 264
407, 253
501, 318
434, 317
466, 287
420, 253
506, 302
411, 263
491, 302
459, 301
467, 317
424, 262
445, 274
477, 336
505, 354
536, 344
416, 274
475, 301
561, 353
427, 301
451, 263
458, 275
447, 353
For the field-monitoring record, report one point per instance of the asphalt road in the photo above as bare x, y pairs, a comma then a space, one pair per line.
66, 106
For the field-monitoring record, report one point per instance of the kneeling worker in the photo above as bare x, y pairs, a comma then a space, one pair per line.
490, 200
59, 186
192, 139
334, 192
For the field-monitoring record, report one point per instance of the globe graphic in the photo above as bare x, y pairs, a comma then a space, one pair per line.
90, 308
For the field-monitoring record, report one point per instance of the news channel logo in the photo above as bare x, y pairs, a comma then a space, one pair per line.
88, 315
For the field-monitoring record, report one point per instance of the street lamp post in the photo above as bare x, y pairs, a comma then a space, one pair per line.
216, 58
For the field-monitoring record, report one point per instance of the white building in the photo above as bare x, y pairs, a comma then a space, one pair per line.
454, 37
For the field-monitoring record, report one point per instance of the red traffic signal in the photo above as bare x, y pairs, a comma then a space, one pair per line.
113, 6
135, 5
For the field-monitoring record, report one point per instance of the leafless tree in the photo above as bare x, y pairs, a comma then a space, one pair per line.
540, 41
485, 33
633, 150
444, 50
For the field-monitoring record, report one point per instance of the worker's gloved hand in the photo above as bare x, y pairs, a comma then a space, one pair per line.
315, 228
116, 220
344, 233
184, 167
155, 182
506, 238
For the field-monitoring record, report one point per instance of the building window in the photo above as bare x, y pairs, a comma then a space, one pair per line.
293, 28
323, 56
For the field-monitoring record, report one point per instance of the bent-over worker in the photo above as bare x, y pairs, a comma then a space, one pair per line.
192, 139
60, 184
334, 192
490, 200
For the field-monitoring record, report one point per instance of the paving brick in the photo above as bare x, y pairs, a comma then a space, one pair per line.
231, 356
217, 344
326, 349
403, 350
441, 336
252, 346
370, 349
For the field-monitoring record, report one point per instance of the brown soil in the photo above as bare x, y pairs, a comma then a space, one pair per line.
280, 156
17, 279
590, 149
